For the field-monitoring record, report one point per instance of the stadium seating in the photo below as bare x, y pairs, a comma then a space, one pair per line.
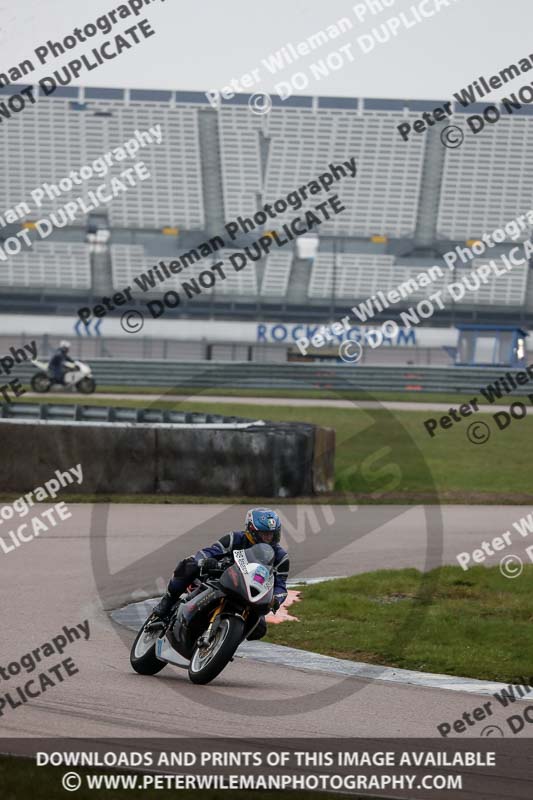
277, 274
257, 159
301, 144
502, 290
173, 195
383, 198
243, 282
360, 276
487, 181
53, 136
39, 146
241, 168
51, 265
128, 261
58, 135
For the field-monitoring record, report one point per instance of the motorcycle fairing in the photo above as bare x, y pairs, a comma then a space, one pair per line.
256, 578
191, 618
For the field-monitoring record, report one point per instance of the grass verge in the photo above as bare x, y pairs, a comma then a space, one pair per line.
474, 624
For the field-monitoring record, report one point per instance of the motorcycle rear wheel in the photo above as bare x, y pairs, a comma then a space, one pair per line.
207, 663
86, 385
40, 382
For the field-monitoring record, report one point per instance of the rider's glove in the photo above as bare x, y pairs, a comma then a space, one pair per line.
208, 564
274, 605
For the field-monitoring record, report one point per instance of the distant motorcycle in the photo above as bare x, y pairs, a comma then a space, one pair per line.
78, 376
218, 611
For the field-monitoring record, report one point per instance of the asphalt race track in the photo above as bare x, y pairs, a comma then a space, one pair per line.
69, 575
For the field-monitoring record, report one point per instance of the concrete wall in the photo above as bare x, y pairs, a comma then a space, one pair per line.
274, 460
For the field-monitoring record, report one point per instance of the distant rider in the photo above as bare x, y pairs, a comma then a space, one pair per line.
60, 361
261, 526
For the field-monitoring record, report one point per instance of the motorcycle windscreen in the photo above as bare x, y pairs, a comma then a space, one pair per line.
260, 554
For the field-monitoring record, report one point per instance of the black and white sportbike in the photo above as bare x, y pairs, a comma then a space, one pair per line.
219, 610
77, 376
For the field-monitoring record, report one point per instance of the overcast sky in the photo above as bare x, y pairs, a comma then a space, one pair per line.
202, 44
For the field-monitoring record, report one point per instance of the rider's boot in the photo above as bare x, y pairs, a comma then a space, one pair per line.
165, 606
176, 586
258, 631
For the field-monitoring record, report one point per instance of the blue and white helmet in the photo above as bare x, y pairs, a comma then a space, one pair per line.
263, 526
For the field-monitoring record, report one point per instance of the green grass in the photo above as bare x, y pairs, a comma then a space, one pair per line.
310, 394
413, 396
387, 456
475, 624
173, 499
21, 778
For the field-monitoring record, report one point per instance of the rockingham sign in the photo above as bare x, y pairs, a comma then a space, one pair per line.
293, 333
268, 333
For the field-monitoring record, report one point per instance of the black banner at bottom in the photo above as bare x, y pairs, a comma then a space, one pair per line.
407, 769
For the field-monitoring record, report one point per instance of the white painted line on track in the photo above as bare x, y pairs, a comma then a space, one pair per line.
314, 662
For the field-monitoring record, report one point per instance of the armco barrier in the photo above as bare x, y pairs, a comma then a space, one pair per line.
54, 412
191, 375
226, 456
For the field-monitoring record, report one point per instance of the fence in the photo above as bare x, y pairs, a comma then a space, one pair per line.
188, 375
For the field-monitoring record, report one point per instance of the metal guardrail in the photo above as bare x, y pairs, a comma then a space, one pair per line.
80, 413
191, 375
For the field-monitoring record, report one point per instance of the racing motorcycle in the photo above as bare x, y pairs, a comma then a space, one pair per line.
217, 612
78, 375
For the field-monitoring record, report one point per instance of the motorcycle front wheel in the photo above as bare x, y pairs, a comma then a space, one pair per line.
208, 662
86, 385
40, 382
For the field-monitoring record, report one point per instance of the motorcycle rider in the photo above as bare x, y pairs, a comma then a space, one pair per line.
261, 526
60, 361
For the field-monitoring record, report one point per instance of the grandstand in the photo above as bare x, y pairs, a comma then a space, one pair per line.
58, 266
410, 202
